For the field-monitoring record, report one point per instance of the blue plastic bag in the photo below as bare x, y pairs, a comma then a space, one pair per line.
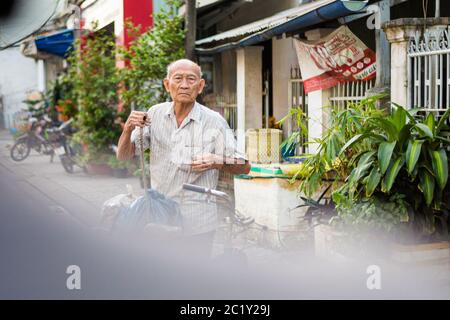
151, 208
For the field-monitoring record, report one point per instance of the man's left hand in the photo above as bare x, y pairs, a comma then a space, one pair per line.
207, 162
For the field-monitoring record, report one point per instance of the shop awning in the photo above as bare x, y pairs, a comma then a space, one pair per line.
58, 43
291, 20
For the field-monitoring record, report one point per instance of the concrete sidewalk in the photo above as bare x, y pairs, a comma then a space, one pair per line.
81, 194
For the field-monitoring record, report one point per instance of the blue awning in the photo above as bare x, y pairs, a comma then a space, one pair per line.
59, 43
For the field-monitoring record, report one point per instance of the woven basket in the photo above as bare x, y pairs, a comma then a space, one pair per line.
263, 145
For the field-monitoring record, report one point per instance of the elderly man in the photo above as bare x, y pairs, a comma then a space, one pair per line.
189, 143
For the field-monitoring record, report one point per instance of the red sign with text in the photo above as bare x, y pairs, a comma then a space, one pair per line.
339, 57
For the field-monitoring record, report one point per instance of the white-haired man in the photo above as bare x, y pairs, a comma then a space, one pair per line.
189, 143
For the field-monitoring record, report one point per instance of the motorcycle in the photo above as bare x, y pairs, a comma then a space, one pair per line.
36, 138
70, 152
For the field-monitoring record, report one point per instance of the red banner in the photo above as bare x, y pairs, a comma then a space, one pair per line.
339, 57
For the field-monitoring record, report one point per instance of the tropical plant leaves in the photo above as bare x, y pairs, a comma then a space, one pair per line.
372, 181
412, 154
426, 185
440, 167
430, 122
385, 154
391, 174
424, 130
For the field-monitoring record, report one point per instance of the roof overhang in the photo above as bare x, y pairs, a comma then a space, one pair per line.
57, 43
291, 20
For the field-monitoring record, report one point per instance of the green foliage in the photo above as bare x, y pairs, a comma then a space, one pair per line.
394, 160
94, 79
149, 55
294, 139
411, 161
67, 96
335, 158
114, 163
406, 145
376, 214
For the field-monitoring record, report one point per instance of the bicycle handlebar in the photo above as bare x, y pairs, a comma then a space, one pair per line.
200, 189
194, 188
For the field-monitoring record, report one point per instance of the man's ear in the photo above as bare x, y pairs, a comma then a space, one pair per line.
166, 84
201, 86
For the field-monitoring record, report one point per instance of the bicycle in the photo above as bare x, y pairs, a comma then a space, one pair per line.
233, 219
70, 155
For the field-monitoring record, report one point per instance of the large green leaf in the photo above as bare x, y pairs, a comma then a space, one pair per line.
391, 174
412, 154
366, 157
426, 185
442, 121
410, 113
399, 118
372, 181
440, 167
353, 140
430, 122
364, 163
385, 154
424, 130
388, 127
404, 134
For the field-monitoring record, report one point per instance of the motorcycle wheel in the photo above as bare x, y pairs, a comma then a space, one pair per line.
67, 163
20, 150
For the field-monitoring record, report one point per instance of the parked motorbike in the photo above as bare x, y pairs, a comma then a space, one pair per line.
38, 137
70, 152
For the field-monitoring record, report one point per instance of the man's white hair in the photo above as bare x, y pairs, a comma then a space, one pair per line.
172, 65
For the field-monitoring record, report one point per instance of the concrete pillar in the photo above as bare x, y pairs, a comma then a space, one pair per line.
383, 53
249, 91
283, 58
41, 75
317, 100
399, 32
317, 115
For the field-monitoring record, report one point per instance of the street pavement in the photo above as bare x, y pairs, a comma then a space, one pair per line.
48, 220
80, 194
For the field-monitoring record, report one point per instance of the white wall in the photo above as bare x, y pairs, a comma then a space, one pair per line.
18, 76
283, 51
104, 12
283, 58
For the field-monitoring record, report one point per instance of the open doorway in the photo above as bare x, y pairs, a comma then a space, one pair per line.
267, 87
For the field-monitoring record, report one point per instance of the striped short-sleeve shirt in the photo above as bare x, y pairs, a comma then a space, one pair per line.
172, 148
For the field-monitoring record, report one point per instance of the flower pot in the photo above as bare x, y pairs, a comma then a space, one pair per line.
98, 169
120, 172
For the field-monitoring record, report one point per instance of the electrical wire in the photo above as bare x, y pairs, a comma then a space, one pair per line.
35, 31
425, 13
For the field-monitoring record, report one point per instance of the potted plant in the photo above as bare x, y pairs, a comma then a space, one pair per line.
143, 73
289, 146
390, 172
119, 168
94, 80
96, 164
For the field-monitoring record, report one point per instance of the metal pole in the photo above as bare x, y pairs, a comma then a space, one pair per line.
191, 26
266, 84
438, 9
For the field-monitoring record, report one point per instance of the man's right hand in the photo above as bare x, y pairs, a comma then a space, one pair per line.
136, 119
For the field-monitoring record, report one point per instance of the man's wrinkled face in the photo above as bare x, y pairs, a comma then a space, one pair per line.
184, 83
